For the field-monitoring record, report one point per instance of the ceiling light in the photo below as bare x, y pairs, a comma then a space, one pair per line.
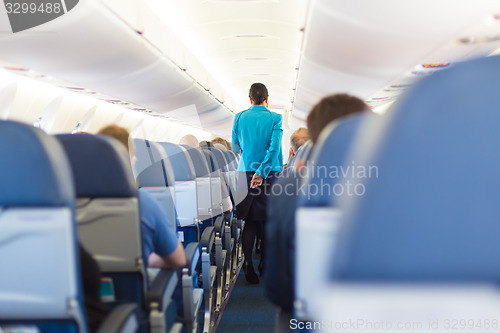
260, 36
237, 1
255, 59
250, 36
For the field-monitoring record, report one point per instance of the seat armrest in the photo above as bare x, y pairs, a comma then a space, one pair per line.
162, 289
123, 319
192, 252
207, 239
219, 225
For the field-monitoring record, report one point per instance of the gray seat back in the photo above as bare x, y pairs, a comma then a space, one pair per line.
40, 275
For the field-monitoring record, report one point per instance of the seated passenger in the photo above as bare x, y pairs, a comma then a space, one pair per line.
279, 268
221, 141
161, 246
297, 139
95, 310
205, 144
219, 146
189, 140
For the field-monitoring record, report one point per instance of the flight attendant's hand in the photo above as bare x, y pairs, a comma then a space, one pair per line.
256, 181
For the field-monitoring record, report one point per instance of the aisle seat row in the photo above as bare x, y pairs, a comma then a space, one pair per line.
318, 216
41, 281
415, 249
198, 175
109, 228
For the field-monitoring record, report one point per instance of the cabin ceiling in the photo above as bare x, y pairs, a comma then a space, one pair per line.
375, 49
242, 42
194, 60
371, 49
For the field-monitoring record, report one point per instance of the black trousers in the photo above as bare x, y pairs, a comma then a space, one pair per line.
253, 210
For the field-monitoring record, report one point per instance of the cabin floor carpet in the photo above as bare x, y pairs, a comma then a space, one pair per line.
248, 309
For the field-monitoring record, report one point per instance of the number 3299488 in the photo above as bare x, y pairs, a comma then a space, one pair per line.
25, 7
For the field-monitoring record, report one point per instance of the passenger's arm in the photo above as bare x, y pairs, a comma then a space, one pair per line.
173, 260
273, 150
235, 144
159, 235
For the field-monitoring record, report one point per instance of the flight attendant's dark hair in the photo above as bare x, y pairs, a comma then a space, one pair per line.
258, 93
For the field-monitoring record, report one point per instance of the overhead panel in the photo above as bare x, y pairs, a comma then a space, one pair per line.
242, 42
94, 47
362, 46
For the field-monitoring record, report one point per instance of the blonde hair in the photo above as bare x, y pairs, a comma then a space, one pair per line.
121, 134
222, 141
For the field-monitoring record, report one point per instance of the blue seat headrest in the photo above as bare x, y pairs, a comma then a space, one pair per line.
153, 175
230, 156
152, 166
432, 214
219, 157
199, 161
143, 155
180, 161
304, 151
34, 170
328, 162
101, 166
231, 160
211, 161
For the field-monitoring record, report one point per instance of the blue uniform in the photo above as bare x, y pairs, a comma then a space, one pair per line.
257, 134
157, 233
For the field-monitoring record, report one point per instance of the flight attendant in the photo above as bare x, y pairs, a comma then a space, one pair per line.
257, 135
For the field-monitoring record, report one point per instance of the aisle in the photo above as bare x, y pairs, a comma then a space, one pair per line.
248, 310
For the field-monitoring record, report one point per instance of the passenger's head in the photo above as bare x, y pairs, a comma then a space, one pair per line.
297, 139
117, 132
205, 144
219, 146
121, 134
258, 94
189, 140
222, 142
331, 108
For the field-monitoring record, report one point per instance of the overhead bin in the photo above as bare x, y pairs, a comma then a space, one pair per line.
382, 50
93, 47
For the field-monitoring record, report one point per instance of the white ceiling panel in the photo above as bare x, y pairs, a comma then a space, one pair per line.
242, 42
362, 47
91, 47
